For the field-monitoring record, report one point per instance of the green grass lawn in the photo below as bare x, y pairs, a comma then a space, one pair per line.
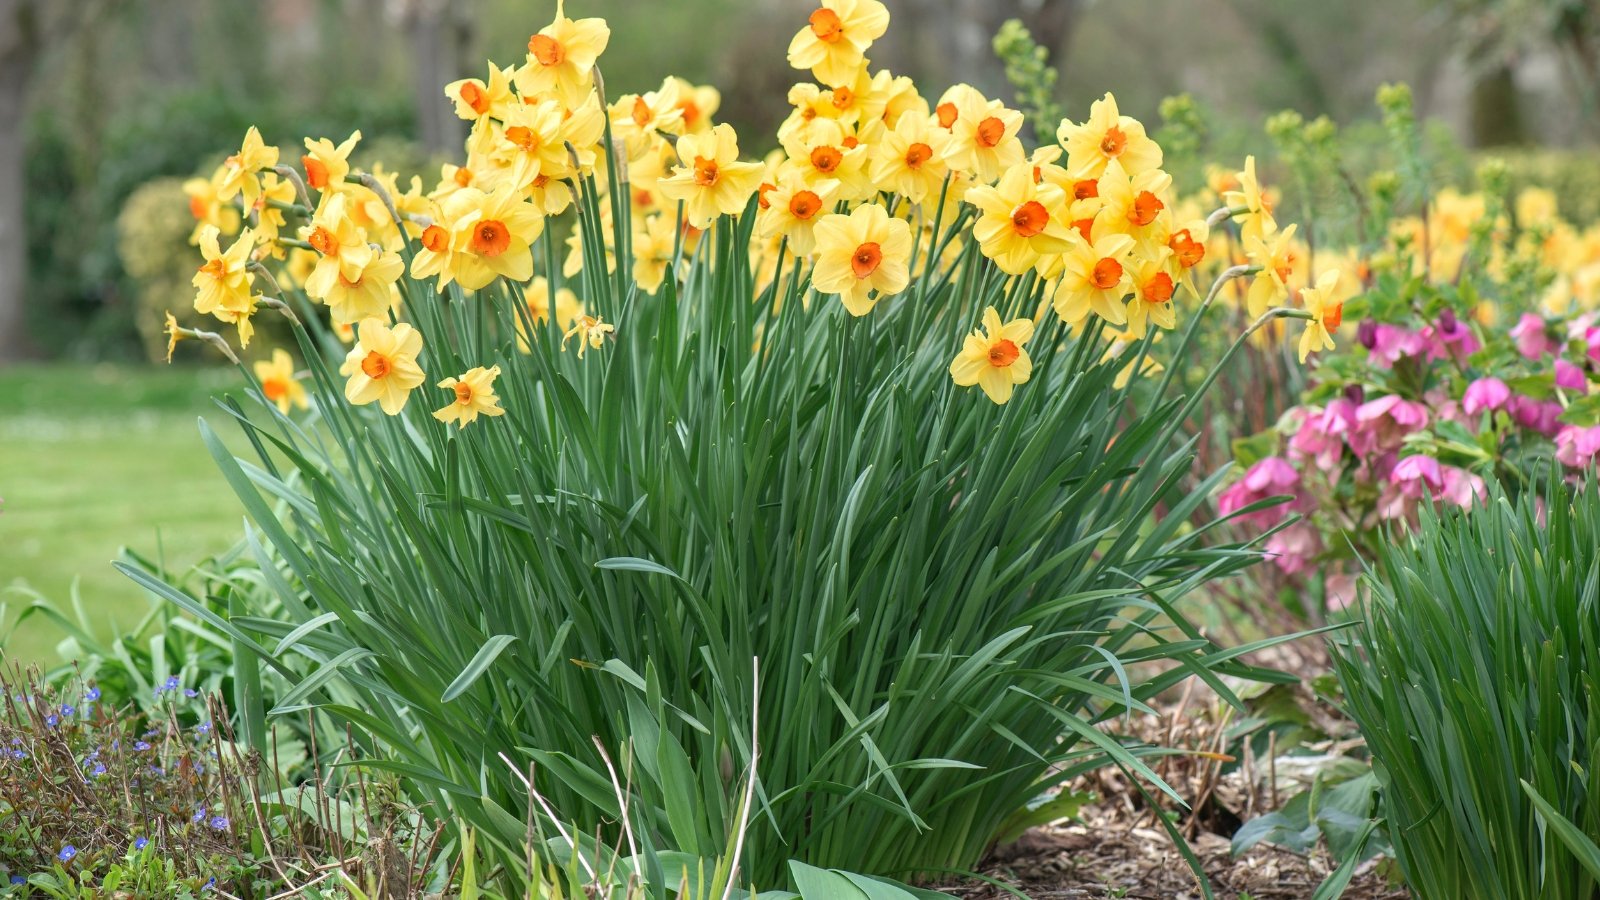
94, 458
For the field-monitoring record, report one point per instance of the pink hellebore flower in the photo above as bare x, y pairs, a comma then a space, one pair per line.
1532, 341
1268, 478
1417, 477
1295, 548
1462, 487
1321, 434
1485, 393
1537, 415
1382, 424
1576, 446
1392, 343
1571, 377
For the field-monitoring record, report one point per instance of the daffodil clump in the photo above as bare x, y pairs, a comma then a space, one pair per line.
697, 513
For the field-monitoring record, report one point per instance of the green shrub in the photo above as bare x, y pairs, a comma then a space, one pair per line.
1475, 678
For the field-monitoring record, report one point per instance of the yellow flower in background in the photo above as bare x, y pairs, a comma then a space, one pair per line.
561, 58
1326, 314
1535, 206
382, 366
983, 137
636, 119
1153, 287
269, 218
241, 168
591, 331
327, 165
653, 247
223, 282
710, 180
1105, 136
1019, 221
207, 206
1276, 256
493, 236
475, 98
474, 396
537, 297
1256, 219
860, 253
697, 103
1094, 279
900, 98
909, 160
278, 382
793, 209
835, 40
992, 357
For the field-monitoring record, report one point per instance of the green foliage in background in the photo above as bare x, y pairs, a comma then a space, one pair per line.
82, 303
1475, 678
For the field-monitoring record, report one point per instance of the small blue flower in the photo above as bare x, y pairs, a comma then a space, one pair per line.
157, 771
191, 692
67, 853
92, 694
141, 746
219, 823
203, 727
171, 684
51, 720
18, 879
99, 769
209, 885
67, 709
141, 843
199, 815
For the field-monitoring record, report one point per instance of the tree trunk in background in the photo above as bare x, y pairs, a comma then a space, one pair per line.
953, 40
440, 35
1495, 112
19, 46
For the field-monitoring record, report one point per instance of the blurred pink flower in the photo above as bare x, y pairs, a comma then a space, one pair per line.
1448, 338
1532, 341
1382, 424
1295, 548
1485, 393
1417, 477
1321, 434
1571, 377
1576, 446
1270, 477
1461, 487
1534, 414
1392, 343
